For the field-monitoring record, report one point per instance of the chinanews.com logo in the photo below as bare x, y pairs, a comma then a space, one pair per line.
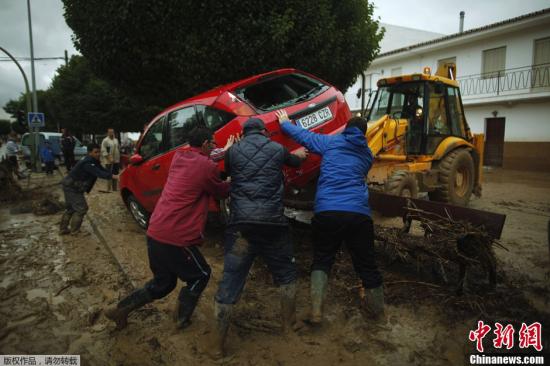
527, 342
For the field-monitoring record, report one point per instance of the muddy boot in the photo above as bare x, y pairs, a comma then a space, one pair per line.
288, 307
319, 280
222, 313
134, 301
76, 222
64, 225
374, 303
186, 305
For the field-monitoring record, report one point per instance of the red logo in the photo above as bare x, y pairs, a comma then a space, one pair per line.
529, 336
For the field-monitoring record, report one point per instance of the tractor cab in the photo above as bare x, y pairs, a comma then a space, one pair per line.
431, 106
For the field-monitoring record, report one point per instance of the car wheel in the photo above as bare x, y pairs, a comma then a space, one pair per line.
138, 212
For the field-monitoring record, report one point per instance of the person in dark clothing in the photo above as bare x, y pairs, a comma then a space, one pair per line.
79, 180
47, 157
342, 212
68, 143
175, 232
257, 225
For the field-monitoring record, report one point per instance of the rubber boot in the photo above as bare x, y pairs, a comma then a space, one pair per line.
374, 302
64, 225
76, 221
222, 314
288, 306
134, 301
319, 281
187, 302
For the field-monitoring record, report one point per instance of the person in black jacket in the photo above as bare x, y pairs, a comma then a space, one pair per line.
257, 225
68, 143
79, 180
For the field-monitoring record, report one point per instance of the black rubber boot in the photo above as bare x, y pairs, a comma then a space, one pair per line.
64, 225
187, 302
76, 221
374, 302
319, 281
288, 306
134, 301
222, 313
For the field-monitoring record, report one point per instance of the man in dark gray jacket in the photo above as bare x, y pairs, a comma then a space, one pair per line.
257, 225
81, 179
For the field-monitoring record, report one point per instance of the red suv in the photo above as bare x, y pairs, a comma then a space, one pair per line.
311, 102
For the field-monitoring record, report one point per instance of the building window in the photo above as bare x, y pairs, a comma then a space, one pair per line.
494, 62
448, 60
541, 64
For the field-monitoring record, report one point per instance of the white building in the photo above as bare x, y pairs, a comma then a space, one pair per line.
504, 73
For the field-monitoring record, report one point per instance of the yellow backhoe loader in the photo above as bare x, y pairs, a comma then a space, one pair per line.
420, 138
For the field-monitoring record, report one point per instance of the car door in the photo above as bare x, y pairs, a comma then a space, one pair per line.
151, 174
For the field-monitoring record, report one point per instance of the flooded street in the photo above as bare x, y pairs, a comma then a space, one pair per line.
54, 289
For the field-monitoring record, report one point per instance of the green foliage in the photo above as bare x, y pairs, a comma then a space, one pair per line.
18, 128
164, 51
5, 127
78, 100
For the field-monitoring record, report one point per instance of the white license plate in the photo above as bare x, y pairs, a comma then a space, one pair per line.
315, 118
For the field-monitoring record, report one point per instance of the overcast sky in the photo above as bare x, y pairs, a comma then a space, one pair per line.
52, 35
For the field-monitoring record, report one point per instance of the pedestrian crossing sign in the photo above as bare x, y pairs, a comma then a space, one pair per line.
36, 119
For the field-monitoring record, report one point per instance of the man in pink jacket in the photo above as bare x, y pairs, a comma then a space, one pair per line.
176, 230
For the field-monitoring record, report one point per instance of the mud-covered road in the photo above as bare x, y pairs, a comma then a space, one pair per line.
53, 290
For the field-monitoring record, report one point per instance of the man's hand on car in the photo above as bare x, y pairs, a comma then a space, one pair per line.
231, 140
282, 115
302, 153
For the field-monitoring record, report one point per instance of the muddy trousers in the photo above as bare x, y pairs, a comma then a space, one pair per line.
242, 244
331, 229
75, 209
168, 263
112, 184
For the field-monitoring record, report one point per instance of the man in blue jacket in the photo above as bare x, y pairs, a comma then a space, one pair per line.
342, 212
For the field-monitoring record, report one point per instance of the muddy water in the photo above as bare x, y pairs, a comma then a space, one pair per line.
53, 290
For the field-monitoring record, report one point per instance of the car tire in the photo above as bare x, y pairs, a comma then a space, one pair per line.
140, 215
456, 176
402, 184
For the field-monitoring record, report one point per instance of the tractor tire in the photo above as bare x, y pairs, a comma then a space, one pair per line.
402, 184
140, 215
456, 175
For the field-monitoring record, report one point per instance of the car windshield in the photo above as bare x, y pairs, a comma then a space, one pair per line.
281, 91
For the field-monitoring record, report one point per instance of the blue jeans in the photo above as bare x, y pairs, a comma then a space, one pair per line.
242, 244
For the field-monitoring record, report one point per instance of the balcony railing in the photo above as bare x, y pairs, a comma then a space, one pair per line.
520, 80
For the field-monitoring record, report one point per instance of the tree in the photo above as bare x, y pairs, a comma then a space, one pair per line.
164, 51
80, 101
5, 127
87, 104
44, 105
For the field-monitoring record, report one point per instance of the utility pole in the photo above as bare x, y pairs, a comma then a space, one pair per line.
35, 160
66, 58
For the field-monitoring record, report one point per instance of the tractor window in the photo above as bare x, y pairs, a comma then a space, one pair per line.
437, 119
456, 113
380, 107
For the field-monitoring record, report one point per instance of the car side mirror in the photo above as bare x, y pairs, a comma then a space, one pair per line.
136, 159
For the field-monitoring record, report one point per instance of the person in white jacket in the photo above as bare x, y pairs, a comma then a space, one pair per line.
110, 157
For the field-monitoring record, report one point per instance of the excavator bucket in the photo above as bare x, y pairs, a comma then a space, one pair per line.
395, 206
